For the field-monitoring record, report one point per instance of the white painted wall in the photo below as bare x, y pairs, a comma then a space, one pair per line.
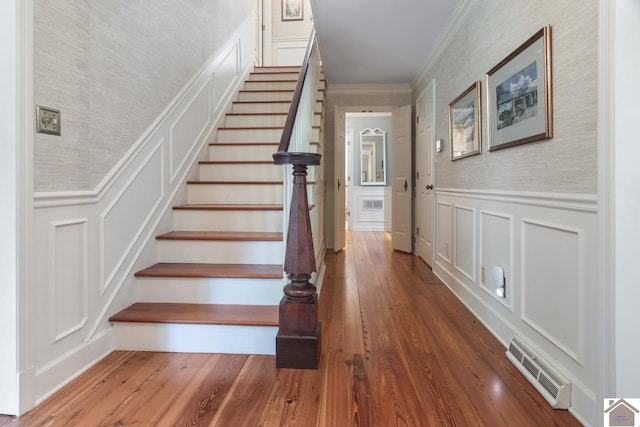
627, 197
8, 226
289, 39
88, 244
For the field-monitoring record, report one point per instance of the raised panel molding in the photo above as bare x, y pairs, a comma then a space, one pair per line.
68, 277
225, 75
553, 279
443, 238
497, 249
130, 212
464, 250
188, 128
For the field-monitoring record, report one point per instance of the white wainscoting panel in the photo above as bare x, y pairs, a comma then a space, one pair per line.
226, 75
188, 129
553, 283
69, 275
120, 223
464, 255
444, 231
547, 245
90, 243
289, 51
497, 250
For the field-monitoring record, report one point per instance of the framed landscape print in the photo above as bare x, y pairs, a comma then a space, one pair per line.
292, 10
519, 106
465, 132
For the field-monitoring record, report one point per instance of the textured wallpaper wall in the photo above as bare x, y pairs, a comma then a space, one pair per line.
112, 67
491, 30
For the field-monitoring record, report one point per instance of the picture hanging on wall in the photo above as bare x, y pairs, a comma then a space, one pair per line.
292, 10
519, 104
465, 131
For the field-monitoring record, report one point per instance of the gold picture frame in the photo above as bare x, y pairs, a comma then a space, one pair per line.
465, 118
519, 98
292, 10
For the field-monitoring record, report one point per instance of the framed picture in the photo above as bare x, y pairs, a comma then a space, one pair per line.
519, 95
292, 10
465, 131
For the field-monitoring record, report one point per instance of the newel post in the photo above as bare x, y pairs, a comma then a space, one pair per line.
298, 339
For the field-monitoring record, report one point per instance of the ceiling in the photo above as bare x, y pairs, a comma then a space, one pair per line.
378, 41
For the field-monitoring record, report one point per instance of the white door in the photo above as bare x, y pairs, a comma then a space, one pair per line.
348, 172
339, 182
425, 174
401, 231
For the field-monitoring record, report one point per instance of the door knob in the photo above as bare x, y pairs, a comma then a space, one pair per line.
338, 184
405, 185
430, 187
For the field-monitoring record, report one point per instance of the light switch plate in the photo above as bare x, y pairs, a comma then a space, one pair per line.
48, 120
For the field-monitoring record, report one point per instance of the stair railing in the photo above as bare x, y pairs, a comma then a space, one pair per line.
298, 339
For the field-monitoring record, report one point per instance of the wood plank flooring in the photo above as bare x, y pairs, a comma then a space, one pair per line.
398, 350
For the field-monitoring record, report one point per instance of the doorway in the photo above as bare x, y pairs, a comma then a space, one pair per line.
364, 198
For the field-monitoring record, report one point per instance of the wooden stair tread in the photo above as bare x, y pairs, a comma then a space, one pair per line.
236, 271
227, 144
250, 127
263, 102
273, 81
235, 182
209, 314
263, 114
235, 162
222, 235
224, 207
266, 90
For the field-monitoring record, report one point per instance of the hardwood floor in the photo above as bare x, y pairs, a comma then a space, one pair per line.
398, 350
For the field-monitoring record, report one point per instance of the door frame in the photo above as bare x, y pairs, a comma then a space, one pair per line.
344, 109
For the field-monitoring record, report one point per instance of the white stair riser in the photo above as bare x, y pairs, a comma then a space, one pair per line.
220, 252
263, 120
184, 338
249, 135
256, 120
203, 220
274, 76
216, 290
259, 107
240, 172
227, 153
277, 69
263, 85
234, 194
229, 135
265, 96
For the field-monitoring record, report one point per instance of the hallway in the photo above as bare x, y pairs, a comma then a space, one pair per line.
398, 350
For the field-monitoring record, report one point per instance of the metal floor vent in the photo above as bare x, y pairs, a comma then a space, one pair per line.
372, 205
553, 387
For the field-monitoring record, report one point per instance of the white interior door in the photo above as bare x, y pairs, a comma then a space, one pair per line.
425, 174
339, 182
401, 231
259, 29
348, 172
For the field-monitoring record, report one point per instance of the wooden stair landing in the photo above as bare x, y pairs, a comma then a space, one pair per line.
232, 271
207, 314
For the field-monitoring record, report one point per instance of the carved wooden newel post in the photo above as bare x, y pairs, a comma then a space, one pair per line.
298, 339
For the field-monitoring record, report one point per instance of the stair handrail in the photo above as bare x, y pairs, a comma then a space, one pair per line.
298, 339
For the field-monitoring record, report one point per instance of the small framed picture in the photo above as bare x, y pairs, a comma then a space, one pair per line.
292, 10
465, 131
519, 95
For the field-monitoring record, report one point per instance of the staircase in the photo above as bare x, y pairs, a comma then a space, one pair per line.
219, 278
